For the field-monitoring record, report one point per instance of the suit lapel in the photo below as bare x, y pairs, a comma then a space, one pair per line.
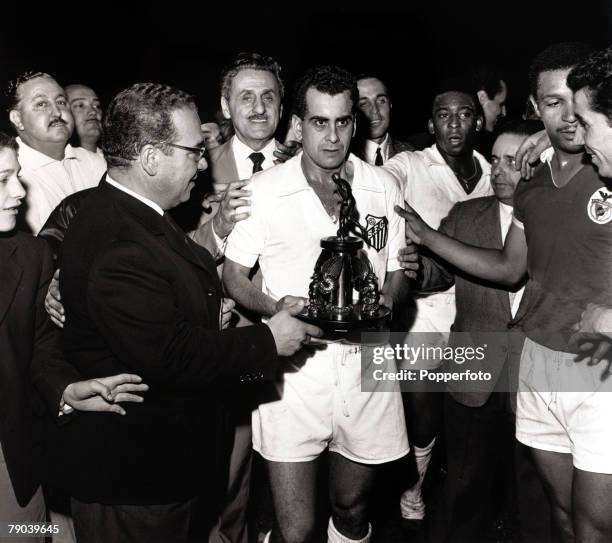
223, 164
10, 275
490, 236
180, 243
155, 224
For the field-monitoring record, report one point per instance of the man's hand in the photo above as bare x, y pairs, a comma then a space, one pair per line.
227, 305
53, 305
212, 136
294, 304
528, 154
592, 336
409, 259
228, 215
290, 333
596, 319
103, 394
416, 228
287, 150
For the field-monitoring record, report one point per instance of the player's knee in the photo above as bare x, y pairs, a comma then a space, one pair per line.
594, 524
563, 521
299, 531
350, 518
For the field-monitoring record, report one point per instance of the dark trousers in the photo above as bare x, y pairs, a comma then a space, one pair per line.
184, 522
481, 449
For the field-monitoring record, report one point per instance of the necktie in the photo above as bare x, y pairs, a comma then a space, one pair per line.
257, 159
379, 158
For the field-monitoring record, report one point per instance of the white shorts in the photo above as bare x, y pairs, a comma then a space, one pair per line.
563, 406
322, 405
431, 328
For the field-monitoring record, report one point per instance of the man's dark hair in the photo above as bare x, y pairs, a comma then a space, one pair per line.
368, 75
519, 127
250, 61
595, 73
141, 115
8, 142
486, 77
330, 80
559, 56
11, 93
457, 84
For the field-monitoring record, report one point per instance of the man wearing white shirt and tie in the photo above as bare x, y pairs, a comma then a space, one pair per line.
251, 95
375, 106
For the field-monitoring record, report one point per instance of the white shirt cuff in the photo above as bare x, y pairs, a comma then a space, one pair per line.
221, 242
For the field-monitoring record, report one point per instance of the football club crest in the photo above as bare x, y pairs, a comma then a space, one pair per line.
599, 207
377, 231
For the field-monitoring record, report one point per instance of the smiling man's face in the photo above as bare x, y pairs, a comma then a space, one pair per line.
42, 115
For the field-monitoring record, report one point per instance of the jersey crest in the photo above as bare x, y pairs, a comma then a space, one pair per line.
377, 231
599, 207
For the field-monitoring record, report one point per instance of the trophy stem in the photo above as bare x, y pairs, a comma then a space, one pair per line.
342, 298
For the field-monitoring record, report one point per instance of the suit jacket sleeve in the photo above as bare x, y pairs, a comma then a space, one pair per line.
131, 299
49, 371
54, 229
437, 273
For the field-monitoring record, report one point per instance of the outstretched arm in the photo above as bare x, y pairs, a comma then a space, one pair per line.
506, 266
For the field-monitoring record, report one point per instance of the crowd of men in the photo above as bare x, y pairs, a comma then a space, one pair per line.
150, 339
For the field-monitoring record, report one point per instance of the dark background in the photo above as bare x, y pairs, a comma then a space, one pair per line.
110, 45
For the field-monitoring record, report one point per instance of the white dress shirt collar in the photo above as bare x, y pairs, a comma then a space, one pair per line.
35, 159
140, 197
371, 146
244, 164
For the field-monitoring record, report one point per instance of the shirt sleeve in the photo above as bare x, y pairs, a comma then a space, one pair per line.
400, 167
397, 238
246, 242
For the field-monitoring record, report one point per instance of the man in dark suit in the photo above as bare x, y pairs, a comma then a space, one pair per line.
139, 294
376, 145
30, 359
479, 420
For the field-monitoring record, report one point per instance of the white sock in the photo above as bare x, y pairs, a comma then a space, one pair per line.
411, 502
334, 536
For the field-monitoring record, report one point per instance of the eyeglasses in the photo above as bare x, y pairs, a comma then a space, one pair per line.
197, 151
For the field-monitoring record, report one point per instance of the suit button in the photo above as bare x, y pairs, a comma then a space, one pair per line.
504, 349
510, 326
210, 292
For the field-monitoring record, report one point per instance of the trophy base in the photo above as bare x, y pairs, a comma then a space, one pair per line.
348, 326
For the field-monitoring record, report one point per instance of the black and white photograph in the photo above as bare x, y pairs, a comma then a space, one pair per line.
306, 272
